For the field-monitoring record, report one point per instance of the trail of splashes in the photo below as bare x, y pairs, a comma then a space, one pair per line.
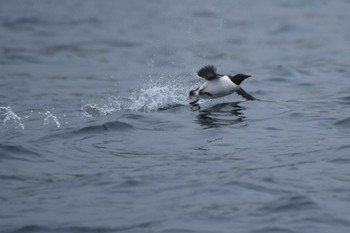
7, 115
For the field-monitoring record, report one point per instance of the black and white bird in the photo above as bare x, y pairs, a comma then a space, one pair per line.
219, 85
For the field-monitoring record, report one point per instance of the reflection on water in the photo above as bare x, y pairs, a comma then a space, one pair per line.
219, 115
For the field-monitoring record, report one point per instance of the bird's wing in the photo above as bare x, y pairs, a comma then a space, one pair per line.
208, 72
244, 94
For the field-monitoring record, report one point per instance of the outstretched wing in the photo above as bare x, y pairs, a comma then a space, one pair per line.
208, 72
244, 94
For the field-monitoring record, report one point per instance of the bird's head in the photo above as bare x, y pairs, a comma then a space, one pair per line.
238, 78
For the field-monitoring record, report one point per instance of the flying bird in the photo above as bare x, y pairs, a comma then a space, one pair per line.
219, 85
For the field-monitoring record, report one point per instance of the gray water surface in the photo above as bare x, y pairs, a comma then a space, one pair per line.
97, 134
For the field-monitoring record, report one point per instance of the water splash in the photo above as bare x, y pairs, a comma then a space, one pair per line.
7, 115
113, 104
50, 118
153, 96
159, 95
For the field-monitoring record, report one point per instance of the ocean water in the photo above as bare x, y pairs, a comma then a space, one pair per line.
97, 133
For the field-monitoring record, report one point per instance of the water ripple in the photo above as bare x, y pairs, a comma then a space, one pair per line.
16, 152
80, 229
108, 126
345, 123
289, 203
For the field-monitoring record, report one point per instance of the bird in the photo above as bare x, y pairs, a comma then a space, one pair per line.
219, 85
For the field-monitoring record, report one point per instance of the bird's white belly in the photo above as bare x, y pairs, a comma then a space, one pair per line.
219, 88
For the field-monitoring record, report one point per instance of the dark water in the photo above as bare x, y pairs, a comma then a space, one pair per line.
96, 133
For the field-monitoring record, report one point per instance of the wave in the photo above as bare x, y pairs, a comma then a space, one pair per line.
17, 152
108, 126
